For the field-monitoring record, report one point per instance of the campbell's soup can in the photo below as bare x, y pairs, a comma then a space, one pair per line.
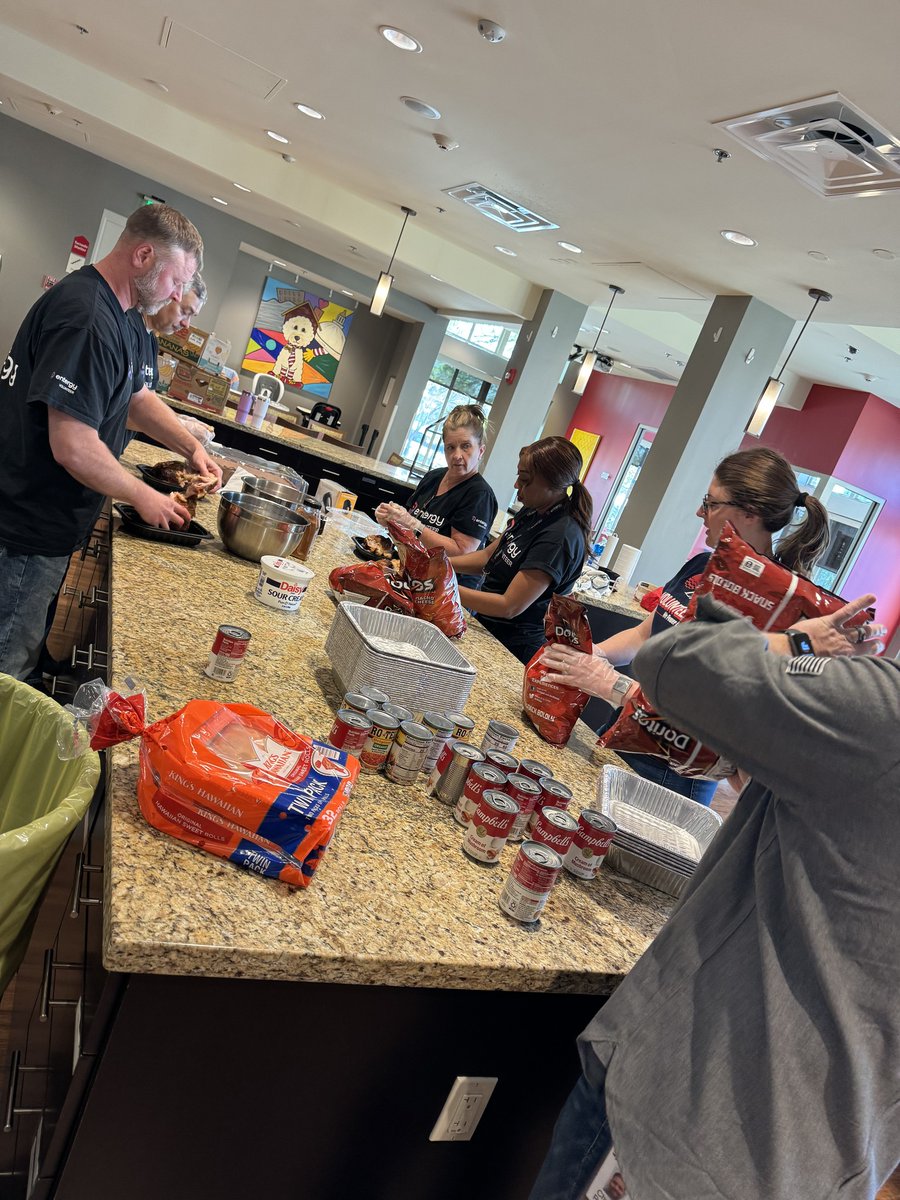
527, 792
499, 736
553, 827
489, 828
508, 763
535, 770
448, 778
553, 795
463, 726
378, 744
408, 752
442, 731
397, 710
349, 731
377, 697
481, 777
534, 872
357, 701
591, 841
227, 653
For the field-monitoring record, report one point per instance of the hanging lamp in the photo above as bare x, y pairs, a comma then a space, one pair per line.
590, 359
385, 279
774, 387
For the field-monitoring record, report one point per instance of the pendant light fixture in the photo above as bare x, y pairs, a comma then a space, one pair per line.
385, 279
590, 359
774, 387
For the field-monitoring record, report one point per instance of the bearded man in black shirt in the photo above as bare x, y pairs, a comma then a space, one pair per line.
69, 390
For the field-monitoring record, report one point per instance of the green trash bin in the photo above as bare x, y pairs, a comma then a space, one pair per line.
42, 799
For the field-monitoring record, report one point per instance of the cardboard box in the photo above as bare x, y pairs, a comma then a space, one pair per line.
186, 344
167, 365
194, 386
215, 353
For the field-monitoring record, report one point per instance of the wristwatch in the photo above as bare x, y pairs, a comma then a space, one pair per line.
620, 690
799, 642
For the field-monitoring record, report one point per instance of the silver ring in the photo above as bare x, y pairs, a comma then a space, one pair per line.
861, 634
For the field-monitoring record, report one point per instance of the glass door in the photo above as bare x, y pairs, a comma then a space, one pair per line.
627, 478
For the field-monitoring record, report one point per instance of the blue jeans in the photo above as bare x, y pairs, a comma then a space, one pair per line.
28, 583
650, 767
581, 1138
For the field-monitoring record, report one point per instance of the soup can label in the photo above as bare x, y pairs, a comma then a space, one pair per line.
480, 778
227, 653
534, 872
499, 736
489, 828
442, 732
590, 844
463, 726
378, 744
527, 792
407, 753
553, 827
349, 731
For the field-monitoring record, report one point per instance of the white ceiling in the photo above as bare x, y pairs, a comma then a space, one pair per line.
599, 117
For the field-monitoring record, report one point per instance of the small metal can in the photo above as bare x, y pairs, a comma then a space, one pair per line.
376, 696
508, 763
463, 726
534, 770
590, 844
499, 736
408, 752
349, 731
534, 872
374, 753
227, 654
448, 778
553, 827
481, 777
527, 792
442, 731
489, 828
554, 794
357, 701
396, 710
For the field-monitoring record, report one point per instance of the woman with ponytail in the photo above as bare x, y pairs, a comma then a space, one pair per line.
541, 551
756, 490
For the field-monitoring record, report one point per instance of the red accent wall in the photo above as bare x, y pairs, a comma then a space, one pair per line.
815, 435
614, 407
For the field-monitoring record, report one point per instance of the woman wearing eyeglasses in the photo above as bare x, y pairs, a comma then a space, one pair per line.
756, 490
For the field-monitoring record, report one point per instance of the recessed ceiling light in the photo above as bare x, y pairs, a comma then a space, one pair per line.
569, 246
818, 256
344, 292
278, 137
276, 262
219, 200
503, 250
162, 87
436, 278
739, 239
310, 112
403, 41
420, 108
240, 187
887, 254
626, 366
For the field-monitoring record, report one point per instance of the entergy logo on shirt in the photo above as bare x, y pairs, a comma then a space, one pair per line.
66, 384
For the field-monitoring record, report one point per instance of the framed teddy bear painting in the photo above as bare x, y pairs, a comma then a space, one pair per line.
299, 337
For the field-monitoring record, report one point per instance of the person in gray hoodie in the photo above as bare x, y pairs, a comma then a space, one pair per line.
754, 1049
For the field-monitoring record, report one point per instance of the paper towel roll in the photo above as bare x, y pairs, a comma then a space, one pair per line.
609, 550
626, 562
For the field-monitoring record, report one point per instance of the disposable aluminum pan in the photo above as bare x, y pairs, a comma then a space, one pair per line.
424, 671
667, 821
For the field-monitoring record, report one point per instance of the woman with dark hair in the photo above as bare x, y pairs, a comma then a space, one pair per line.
540, 552
756, 490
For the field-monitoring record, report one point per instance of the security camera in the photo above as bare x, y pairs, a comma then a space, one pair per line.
445, 143
604, 364
491, 31
853, 350
288, 158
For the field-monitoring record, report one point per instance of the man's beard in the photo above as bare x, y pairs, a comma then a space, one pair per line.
145, 285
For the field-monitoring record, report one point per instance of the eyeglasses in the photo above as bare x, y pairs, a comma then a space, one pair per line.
706, 504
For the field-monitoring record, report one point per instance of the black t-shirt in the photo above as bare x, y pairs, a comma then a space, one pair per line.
469, 507
146, 352
552, 542
74, 352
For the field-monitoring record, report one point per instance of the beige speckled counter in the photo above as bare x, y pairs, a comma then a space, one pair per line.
622, 603
394, 901
298, 440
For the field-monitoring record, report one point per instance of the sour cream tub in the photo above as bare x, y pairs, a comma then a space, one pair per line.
282, 583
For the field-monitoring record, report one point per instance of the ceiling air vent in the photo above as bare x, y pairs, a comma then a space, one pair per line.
826, 143
513, 216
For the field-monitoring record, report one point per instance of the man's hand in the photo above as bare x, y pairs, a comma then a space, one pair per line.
830, 636
162, 511
200, 461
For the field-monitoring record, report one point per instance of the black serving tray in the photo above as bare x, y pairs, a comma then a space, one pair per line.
148, 474
361, 550
132, 523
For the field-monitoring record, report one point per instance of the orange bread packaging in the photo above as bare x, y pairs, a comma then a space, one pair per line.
770, 596
229, 779
553, 708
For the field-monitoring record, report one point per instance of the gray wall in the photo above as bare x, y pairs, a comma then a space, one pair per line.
51, 191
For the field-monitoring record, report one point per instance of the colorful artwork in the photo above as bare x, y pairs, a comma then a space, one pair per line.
587, 444
299, 337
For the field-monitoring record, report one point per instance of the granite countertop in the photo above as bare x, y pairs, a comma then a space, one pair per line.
299, 440
394, 901
621, 602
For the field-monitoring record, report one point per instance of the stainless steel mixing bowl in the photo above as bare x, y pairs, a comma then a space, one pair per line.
251, 526
281, 492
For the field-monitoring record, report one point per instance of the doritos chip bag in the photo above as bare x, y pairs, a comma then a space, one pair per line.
375, 581
772, 597
231, 780
430, 582
553, 708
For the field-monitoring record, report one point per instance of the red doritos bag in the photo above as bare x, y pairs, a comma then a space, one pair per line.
429, 582
553, 708
772, 597
383, 588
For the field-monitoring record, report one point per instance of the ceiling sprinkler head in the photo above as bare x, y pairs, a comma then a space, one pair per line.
445, 143
491, 31
289, 158
721, 155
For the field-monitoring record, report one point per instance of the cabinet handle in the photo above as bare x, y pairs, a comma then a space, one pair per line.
81, 867
96, 595
91, 656
47, 1001
267, 453
10, 1112
389, 492
330, 474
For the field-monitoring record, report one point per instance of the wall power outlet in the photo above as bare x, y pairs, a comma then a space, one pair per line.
463, 1107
